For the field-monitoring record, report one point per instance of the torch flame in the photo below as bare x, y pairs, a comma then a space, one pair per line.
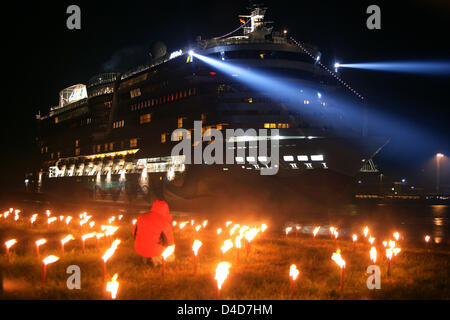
48, 213
385, 243
373, 254
288, 229
115, 244
371, 240
197, 244
68, 219
10, 243
227, 245
205, 223
237, 241
396, 251
427, 238
51, 220
33, 218
168, 252
50, 259
391, 244
219, 230
228, 223
251, 234
110, 230
316, 231
134, 221
354, 237
113, 286
298, 228
197, 228
293, 272
389, 253
235, 227
332, 229
99, 235
67, 239
243, 230
366, 231
108, 254
396, 235
88, 236
263, 227
336, 257
40, 242
222, 272
182, 225
174, 223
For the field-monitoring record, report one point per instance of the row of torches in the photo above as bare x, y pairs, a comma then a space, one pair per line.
107, 232
222, 270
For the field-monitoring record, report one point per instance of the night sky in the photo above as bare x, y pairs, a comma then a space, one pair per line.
43, 57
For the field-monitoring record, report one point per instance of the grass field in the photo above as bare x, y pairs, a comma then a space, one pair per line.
417, 273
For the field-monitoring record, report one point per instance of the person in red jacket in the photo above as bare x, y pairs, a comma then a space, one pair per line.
153, 233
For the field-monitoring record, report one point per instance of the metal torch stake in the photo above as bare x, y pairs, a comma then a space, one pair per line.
103, 270
1, 281
292, 289
389, 268
217, 293
44, 274
195, 264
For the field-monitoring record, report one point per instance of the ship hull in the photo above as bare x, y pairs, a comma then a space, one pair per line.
237, 189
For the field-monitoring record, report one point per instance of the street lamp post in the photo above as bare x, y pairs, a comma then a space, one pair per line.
438, 168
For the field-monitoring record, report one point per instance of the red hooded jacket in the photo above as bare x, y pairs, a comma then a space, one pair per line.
151, 227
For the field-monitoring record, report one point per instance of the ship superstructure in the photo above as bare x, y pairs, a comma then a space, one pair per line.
111, 139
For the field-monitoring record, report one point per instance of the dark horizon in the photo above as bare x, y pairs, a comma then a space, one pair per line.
44, 57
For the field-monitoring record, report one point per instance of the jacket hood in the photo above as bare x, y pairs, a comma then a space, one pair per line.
162, 208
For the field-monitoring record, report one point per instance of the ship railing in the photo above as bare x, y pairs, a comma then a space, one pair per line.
67, 107
242, 40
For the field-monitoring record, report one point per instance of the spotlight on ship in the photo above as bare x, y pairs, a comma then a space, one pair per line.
418, 67
191, 52
261, 81
337, 65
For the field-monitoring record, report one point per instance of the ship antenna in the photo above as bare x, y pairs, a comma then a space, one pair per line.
230, 33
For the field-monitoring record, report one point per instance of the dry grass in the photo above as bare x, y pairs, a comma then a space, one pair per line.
416, 274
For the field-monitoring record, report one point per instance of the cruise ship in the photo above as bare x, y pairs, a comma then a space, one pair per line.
110, 140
